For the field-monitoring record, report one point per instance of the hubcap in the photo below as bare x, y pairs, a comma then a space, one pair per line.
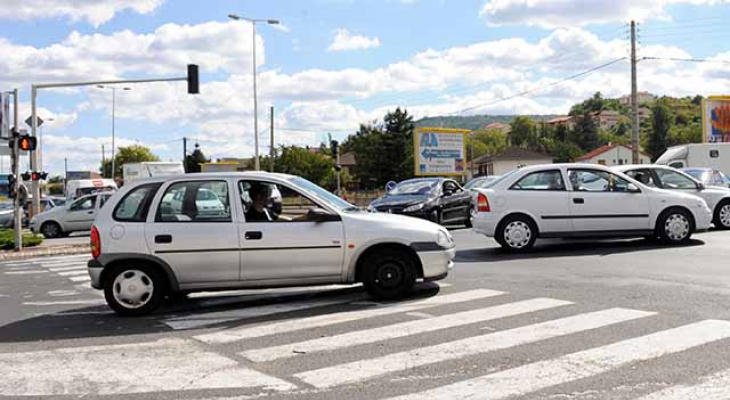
51, 230
517, 234
389, 275
133, 289
725, 215
677, 227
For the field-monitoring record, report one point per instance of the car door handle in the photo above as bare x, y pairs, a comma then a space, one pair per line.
163, 239
253, 235
89, 212
578, 200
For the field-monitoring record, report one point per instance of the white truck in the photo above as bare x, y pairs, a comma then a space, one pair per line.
134, 171
82, 187
710, 155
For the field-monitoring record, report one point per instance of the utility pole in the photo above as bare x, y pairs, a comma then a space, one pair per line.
634, 100
65, 174
185, 154
103, 162
15, 161
471, 155
272, 151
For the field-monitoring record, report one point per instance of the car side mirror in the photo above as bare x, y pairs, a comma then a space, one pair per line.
631, 188
701, 186
320, 215
448, 192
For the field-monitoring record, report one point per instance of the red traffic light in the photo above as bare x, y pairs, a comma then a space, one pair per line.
27, 143
35, 176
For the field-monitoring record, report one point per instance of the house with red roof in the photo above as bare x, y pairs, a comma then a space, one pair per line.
612, 154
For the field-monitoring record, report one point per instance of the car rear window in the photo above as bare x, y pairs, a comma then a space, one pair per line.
135, 204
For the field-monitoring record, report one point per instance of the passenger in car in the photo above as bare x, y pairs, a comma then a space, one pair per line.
259, 212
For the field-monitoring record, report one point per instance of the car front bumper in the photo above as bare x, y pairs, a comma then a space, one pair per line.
703, 220
437, 264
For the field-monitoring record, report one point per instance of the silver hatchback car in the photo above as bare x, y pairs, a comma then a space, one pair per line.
165, 236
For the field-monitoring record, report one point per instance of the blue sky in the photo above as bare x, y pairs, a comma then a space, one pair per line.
335, 63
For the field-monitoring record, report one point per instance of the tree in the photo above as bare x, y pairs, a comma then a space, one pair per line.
661, 123
301, 162
193, 161
523, 131
585, 133
126, 155
398, 144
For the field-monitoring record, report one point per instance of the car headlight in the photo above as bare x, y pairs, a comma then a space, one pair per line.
415, 207
444, 239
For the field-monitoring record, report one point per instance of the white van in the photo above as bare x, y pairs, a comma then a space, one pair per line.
710, 155
134, 171
82, 187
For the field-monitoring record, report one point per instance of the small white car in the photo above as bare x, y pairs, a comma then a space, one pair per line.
145, 250
663, 177
77, 215
583, 200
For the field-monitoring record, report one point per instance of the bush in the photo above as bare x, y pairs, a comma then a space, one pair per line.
7, 240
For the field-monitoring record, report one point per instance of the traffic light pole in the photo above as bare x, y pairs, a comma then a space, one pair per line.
15, 158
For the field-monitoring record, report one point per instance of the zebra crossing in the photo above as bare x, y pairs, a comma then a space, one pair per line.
70, 268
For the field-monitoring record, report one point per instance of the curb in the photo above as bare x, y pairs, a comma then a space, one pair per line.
45, 251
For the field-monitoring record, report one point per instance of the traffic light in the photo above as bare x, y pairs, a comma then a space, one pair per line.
26, 176
27, 143
335, 148
193, 79
11, 186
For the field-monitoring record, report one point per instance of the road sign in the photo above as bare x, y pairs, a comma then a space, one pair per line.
5, 115
439, 151
29, 121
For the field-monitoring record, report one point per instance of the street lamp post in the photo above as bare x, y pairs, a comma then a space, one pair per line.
253, 22
40, 144
114, 107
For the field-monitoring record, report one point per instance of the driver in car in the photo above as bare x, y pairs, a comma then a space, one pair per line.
259, 210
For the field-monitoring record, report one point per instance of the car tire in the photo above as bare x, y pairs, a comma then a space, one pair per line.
471, 213
675, 226
389, 274
51, 230
436, 216
134, 289
516, 234
722, 215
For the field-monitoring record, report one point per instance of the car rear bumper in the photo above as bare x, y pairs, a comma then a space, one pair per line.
95, 268
485, 223
437, 264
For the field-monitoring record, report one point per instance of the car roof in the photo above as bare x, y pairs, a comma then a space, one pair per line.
698, 169
540, 167
220, 175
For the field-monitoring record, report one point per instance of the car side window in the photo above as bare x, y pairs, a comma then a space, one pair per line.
674, 180
644, 176
271, 202
85, 204
587, 180
451, 186
542, 180
135, 204
195, 201
717, 179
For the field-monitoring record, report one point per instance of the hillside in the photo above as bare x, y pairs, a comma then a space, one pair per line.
472, 122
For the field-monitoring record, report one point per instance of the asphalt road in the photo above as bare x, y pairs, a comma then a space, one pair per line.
571, 320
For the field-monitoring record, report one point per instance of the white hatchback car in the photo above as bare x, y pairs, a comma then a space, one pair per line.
144, 249
660, 176
583, 200
71, 217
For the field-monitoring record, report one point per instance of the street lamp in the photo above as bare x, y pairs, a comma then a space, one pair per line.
114, 106
253, 22
40, 145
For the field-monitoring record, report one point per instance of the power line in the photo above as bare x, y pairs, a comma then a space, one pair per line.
696, 60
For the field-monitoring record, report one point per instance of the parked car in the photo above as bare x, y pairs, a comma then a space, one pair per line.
480, 182
717, 198
581, 200
144, 252
709, 176
439, 200
7, 215
77, 216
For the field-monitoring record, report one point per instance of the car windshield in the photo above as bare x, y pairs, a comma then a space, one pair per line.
481, 183
6, 206
415, 187
701, 175
331, 199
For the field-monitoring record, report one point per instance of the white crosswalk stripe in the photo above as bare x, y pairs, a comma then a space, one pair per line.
401, 330
714, 387
232, 335
543, 374
78, 267
74, 273
371, 368
84, 278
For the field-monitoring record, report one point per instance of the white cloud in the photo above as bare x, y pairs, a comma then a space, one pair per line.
555, 13
345, 41
95, 12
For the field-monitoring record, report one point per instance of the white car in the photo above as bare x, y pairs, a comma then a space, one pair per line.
145, 251
77, 215
583, 200
659, 176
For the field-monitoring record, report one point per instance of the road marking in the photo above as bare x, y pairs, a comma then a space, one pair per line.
71, 268
584, 364
64, 303
27, 272
713, 387
368, 369
232, 335
164, 365
86, 278
74, 273
401, 330
62, 293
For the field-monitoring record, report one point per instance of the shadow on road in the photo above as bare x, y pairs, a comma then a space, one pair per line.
100, 321
554, 248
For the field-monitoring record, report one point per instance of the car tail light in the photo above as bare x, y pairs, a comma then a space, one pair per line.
95, 242
483, 203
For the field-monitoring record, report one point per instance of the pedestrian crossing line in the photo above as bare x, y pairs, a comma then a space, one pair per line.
64, 303
161, 366
85, 278
27, 272
70, 268
362, 370
401, 329
232, 335
584, 364
713, 387
74, 273
51, 260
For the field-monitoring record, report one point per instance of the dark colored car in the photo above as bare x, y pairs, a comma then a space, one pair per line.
439, 200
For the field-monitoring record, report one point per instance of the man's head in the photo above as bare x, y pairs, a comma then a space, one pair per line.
260, 195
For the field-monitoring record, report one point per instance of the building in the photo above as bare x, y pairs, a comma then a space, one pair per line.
643, 97
498, 126
607, 119
511, 158
566, 121
244, 164
612, 154
80, 175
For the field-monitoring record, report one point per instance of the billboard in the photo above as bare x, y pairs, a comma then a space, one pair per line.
716, 119
439, 151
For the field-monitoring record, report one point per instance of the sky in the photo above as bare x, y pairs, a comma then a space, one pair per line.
331, 65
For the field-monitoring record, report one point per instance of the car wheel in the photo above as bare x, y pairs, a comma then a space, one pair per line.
133, 290
51, 230
722, 215
675, 227
388, 275
436, 216
517, 234
472, 213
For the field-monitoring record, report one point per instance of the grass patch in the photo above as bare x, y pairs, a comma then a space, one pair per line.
7, 240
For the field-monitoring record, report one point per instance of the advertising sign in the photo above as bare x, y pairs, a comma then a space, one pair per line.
5, 115
716, 119
439, 151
